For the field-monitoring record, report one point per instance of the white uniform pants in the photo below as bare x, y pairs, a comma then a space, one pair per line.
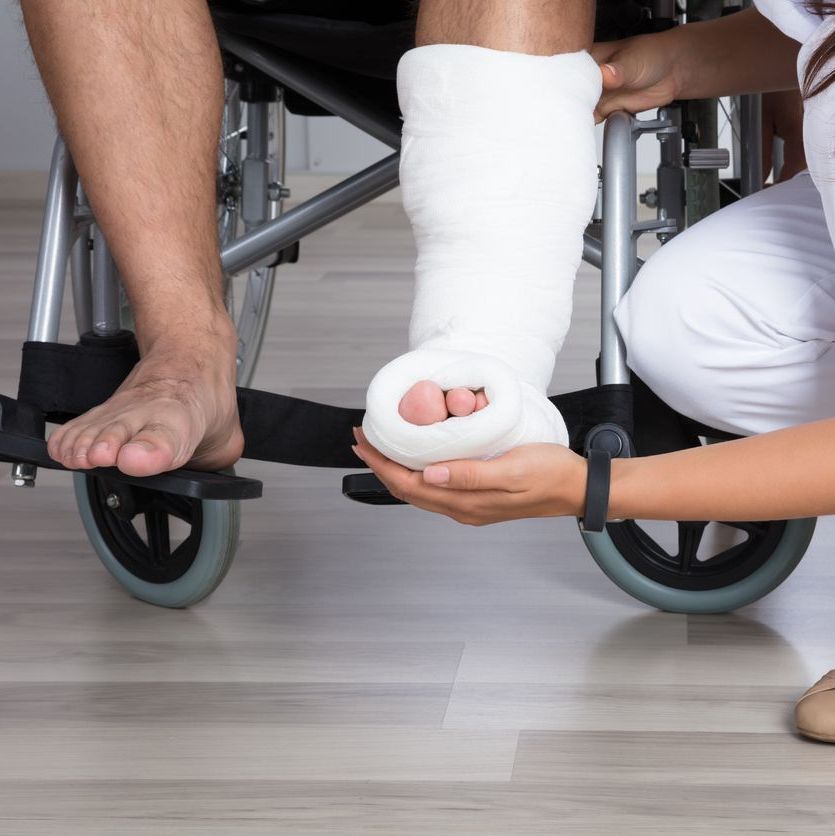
733, 322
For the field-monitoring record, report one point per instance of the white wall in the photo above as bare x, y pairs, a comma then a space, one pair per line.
26, 125
321, 144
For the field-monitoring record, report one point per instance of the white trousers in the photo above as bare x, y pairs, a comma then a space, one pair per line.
733, 322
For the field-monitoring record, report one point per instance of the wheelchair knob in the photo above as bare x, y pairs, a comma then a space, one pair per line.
611, 438
708, 158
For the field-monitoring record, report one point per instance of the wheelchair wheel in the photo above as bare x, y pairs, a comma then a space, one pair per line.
250, 193
751, 560
168, 550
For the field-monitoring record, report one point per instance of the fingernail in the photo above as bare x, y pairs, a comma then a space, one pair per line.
354, 431
436, 474
357, 452
611, 68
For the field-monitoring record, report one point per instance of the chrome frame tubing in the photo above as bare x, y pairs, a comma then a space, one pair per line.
57, 237
82, 276
257, 207
621, 228
319, 87
750, 139
65, 238
107, 318
751, 151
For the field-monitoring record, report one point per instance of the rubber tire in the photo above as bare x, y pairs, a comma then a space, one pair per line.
218, 544
769, 576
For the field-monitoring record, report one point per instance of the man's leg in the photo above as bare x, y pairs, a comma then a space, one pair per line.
498, 174
535, 28
137, 88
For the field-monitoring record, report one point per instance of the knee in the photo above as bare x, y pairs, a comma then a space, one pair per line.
664, 320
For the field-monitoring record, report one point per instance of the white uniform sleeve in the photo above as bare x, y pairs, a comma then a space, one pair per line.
791, 17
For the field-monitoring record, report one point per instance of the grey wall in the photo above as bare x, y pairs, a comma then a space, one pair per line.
26, 126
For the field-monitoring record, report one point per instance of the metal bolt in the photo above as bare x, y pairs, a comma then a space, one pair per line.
113, 501
23, 474
650, 197
277, 191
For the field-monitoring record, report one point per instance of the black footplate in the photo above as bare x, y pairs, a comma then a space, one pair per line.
192, 483
367, 488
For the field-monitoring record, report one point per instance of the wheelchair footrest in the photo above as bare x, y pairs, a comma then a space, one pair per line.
192, 483
367, 488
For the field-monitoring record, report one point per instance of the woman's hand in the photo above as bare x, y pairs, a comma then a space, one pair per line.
638, 74
535, 480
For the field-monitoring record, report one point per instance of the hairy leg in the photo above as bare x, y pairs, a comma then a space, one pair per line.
535, 27
137, 88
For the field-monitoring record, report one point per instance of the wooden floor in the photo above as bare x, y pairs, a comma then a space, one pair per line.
385, 671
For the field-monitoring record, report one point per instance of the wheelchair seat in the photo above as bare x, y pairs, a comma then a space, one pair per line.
365, 40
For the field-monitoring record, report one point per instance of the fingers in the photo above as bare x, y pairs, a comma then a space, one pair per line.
613, 76
505, 473
602, 51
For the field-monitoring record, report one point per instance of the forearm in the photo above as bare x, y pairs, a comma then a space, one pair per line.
740, 53
779, 475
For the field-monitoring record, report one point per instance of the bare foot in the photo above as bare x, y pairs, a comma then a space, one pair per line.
427, 403
176, 407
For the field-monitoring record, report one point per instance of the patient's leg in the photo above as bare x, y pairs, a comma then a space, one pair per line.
499, 178
138, 91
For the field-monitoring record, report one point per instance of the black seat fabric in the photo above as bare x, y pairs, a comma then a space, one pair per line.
364, 40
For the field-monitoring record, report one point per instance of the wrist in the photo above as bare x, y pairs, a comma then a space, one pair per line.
622, 489
673, 45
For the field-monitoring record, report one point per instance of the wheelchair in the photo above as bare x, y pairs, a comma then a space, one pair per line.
273, 58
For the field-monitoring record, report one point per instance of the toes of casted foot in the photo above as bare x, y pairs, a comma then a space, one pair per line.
152, 450
480, 400
423, 404
460, 402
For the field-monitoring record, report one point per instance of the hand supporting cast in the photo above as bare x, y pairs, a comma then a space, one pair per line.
535, 480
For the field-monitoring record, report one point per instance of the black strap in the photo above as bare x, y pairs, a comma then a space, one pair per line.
597, 490
62, 381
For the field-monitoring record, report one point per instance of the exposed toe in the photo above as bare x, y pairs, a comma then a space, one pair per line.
460, 402
424, 404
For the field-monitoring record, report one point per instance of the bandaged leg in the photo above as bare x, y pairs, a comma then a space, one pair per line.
499, 178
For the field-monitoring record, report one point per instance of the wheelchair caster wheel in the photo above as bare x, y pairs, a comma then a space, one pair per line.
682, 579
168, 550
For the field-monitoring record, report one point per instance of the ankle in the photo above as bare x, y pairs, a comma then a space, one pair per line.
212, 333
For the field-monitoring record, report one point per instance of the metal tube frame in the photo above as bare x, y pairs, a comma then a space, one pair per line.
106, 313
57, 237
751, 152
621, 229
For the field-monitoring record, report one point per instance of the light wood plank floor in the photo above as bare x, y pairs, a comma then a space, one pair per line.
383, 670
